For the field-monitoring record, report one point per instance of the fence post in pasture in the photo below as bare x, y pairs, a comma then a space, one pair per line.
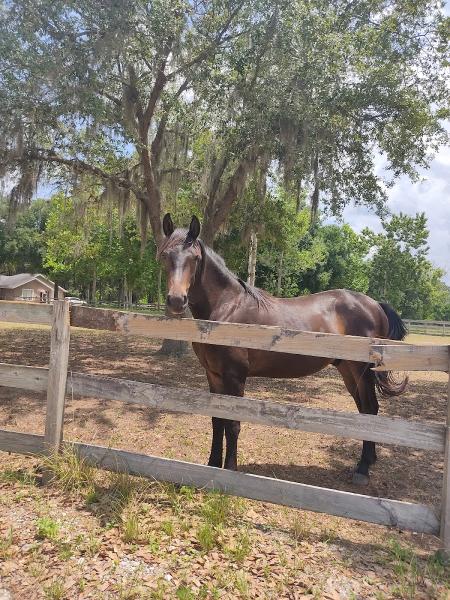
445, 511
57, 376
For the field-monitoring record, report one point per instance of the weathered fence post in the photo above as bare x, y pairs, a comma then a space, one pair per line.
445, 511
57, 376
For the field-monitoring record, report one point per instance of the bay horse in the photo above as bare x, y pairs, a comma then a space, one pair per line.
198, 277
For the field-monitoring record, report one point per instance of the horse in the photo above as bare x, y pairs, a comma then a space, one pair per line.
198, 278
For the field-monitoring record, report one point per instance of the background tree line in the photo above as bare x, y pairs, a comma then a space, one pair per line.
258, 116
97, 253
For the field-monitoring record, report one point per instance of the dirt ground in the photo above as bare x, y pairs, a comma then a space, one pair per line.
278, 552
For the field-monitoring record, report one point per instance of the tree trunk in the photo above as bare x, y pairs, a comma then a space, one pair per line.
280, 273
175, 347
124, 292
56, 290
94, 287
158, 292
251, 271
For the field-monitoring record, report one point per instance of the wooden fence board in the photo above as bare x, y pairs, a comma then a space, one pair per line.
429, 436
26, 312
376, 428
263, 337
23, 377
21, 443
411, 357
382, 511
394, 513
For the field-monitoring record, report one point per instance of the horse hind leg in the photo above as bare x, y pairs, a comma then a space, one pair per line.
360, 383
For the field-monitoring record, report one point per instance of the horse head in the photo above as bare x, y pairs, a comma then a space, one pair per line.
180, 253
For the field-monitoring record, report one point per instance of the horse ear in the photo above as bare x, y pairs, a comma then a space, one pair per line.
194, 228
168, 225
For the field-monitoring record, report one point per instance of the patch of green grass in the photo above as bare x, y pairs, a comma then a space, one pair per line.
17, 476
241, 549
54, 591
6, 543
241, 584
91, 496
168, 528
300, 527
161, 591
47, 528
89, 545
69, 470
406, 568
130, 526
207, 537
218, 509
185, 593
65, 551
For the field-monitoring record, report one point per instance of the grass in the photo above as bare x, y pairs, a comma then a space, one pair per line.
47, 529
69, 470
54, 591
207, 537
241, 547
6, 543
17, 476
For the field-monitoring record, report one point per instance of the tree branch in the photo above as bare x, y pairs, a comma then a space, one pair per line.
218, 41
157, 140
79, 166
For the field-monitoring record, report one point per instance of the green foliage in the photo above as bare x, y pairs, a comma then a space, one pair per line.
401, 274
312, 89
343, 263
88, 246
21, 245
84, 243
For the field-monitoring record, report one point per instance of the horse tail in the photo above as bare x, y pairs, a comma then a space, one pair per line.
385, 382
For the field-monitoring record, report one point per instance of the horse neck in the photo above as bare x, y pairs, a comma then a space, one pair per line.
213, 286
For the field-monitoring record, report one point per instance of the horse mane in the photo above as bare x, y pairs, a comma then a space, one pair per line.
262, 298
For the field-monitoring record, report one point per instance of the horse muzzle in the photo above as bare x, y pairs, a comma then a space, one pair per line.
176, 305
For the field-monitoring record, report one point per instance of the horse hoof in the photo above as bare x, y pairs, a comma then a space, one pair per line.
230, 467
360, 479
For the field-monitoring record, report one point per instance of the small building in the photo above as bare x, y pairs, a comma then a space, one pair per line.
29, 287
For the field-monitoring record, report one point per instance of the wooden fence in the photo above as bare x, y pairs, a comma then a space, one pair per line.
385, 354
428, 327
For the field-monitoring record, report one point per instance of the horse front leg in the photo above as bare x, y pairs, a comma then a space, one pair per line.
215, 457
229, 379
232, 430
359, 383
218, 425
234, 385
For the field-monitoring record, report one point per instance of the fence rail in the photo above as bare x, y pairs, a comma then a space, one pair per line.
384, 354
394, 513
428, 327
388, 430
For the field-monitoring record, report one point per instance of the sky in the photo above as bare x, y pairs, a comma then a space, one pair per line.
431, 195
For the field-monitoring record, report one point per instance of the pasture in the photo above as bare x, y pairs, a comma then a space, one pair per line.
109, 536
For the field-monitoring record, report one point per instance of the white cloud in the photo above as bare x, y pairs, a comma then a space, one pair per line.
430, 195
